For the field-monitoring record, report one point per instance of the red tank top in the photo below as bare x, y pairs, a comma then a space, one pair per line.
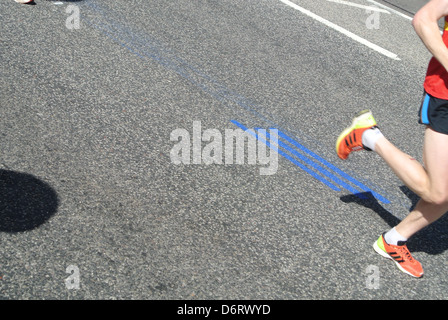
436, 81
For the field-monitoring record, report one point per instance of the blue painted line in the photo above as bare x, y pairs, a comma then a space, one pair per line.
358, 193
333, 167
291, 159
145, 47
317, 166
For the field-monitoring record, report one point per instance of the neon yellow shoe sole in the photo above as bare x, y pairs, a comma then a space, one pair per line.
351, 138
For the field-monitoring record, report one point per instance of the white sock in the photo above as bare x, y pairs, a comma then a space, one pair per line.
370, 137
392, 237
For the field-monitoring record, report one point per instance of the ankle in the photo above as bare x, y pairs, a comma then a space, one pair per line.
393, 237
370, 138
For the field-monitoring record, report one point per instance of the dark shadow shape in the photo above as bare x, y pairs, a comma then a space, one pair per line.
366, 199
411, 195
32, 3
432, 240
25, 202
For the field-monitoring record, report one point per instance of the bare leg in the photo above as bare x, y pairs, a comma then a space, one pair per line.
431, 184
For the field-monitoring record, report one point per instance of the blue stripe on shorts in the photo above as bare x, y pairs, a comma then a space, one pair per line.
424, 110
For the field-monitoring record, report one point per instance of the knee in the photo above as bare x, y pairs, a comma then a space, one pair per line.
438, 198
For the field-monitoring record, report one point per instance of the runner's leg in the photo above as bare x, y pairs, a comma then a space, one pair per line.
410, 171
435, 203
431, 184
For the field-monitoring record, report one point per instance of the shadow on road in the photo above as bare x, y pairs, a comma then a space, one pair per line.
25, 202
432, 240
32, 3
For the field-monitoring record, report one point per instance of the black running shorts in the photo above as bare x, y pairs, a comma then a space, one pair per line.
434, 113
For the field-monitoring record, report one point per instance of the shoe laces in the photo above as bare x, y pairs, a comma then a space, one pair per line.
404, 251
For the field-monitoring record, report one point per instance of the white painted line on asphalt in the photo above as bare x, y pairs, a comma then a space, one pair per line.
342, 30
395, 11
390, 9
357, 5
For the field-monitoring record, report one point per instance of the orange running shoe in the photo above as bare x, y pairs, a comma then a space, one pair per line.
351, 138
400, 255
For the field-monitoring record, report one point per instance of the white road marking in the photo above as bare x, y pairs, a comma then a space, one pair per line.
390, 9
342, 30
395, 11
357, 5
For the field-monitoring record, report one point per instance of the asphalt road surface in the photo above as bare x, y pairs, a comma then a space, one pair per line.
98, 201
